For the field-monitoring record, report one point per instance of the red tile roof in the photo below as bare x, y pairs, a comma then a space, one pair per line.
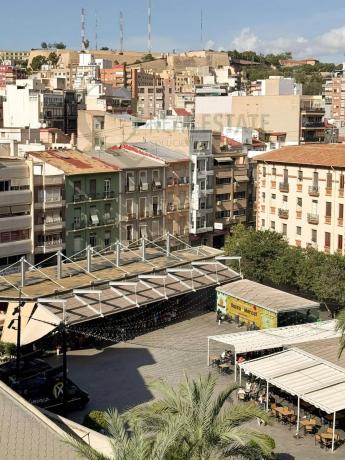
327, 155
182, 112
231, 142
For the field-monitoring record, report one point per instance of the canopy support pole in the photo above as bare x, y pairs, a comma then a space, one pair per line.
267, 389
333, 433
298, 415
240, 375
235, 364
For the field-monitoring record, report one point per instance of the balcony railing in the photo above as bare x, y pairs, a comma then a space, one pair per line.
157, 212
313, 124
284, 187
313, 219
131, 216
283, 213
314, 190
77, 198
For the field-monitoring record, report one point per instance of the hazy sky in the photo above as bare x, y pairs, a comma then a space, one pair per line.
312, 28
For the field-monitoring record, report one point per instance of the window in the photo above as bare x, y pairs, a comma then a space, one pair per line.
285, 198
315, 179
223, 197
314, 236
77, 244
286, 176
142, 207
106, 239
273, 196
92, 240
107, 212
156, 177
273, 225
155, 206
143, 180
263, 196
93, 187
284, 229
327, 240
129, 233
107, 185
240, 195
129, 207
328, 209
341, 211
274, 171
77, 187
93, 215
262, 222
299, 202
342, 181
200, 146
130, 184
264, 171
300, 175
340, 242
299, 230
314, 207
329, 180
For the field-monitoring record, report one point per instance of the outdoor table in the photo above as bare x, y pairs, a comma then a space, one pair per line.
308, 422
224, 367
328, 436
214, 358
284, 411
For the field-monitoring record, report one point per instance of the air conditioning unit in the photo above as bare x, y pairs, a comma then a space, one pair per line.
219, 203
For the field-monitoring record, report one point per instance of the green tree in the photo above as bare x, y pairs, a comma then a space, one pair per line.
131, 444
104, 48
53, 58
44, 45
212, 425
257, 249
59, 45
148, 57
37, 62
341, 328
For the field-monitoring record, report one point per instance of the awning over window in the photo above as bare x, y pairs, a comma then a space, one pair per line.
224, 159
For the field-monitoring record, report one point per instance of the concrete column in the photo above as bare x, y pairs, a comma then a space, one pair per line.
143, 247
118, 254
168, 244
59, 265
89, 258
22, 272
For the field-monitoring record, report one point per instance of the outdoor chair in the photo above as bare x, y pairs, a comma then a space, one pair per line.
318, 440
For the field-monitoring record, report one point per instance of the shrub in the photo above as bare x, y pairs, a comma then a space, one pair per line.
95, 420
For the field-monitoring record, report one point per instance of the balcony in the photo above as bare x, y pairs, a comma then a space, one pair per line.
16, 197
144, 215
313, 219
272, 210
157, 212
80, 224
314, 190
340, 222
78, 198
341, 193
312, 124
50, 225
284, 187
13, 248
283, 213
130, 188
130, 216
273, 184
51, 246
299, 188
328, 220
299, 215
15, 223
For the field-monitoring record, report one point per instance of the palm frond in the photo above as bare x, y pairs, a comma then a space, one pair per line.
84, 450
221, 399
247, 442
240, 413
119, 438
340, 327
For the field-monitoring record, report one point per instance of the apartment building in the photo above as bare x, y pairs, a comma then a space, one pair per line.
15, 210
10, 74
233, 191
88, 71
151, 97
202, 179
178, 188
313, 126
75, 202
334, 93
142, 182
300, 193
14, 55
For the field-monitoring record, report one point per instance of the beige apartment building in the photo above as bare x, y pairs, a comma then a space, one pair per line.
15, 210
178, 187
301, 194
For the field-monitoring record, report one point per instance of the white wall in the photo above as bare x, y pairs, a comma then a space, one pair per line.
21, 108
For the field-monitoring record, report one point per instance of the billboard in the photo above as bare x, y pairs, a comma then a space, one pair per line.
247, 312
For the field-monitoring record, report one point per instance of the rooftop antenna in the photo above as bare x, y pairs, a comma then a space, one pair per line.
83, 37
121, 32
149, 44
201, 30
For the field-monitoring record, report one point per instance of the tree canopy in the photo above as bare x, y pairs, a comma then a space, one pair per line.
37, 62
267, 257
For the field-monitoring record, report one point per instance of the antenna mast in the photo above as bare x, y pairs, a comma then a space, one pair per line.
83, 38
121, 32
149, 44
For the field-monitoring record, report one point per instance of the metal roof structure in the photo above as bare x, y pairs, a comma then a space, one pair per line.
245, 342
114, 263
163, 153
117, 296
310, 378
266, 297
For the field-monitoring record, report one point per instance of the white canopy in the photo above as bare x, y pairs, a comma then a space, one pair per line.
310, 378
244, 342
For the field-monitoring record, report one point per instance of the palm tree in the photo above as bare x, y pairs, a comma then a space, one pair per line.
130, 443
340, 327
211, 429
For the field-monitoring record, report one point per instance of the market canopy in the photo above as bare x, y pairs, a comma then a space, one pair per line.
310, 378
244, 342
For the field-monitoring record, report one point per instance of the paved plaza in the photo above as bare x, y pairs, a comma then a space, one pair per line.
117, 376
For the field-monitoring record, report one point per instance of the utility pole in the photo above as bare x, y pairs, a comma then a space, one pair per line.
83, 36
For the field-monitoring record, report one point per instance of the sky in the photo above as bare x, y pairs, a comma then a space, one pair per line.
307, 28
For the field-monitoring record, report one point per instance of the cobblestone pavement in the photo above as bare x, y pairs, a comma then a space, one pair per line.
117, 376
